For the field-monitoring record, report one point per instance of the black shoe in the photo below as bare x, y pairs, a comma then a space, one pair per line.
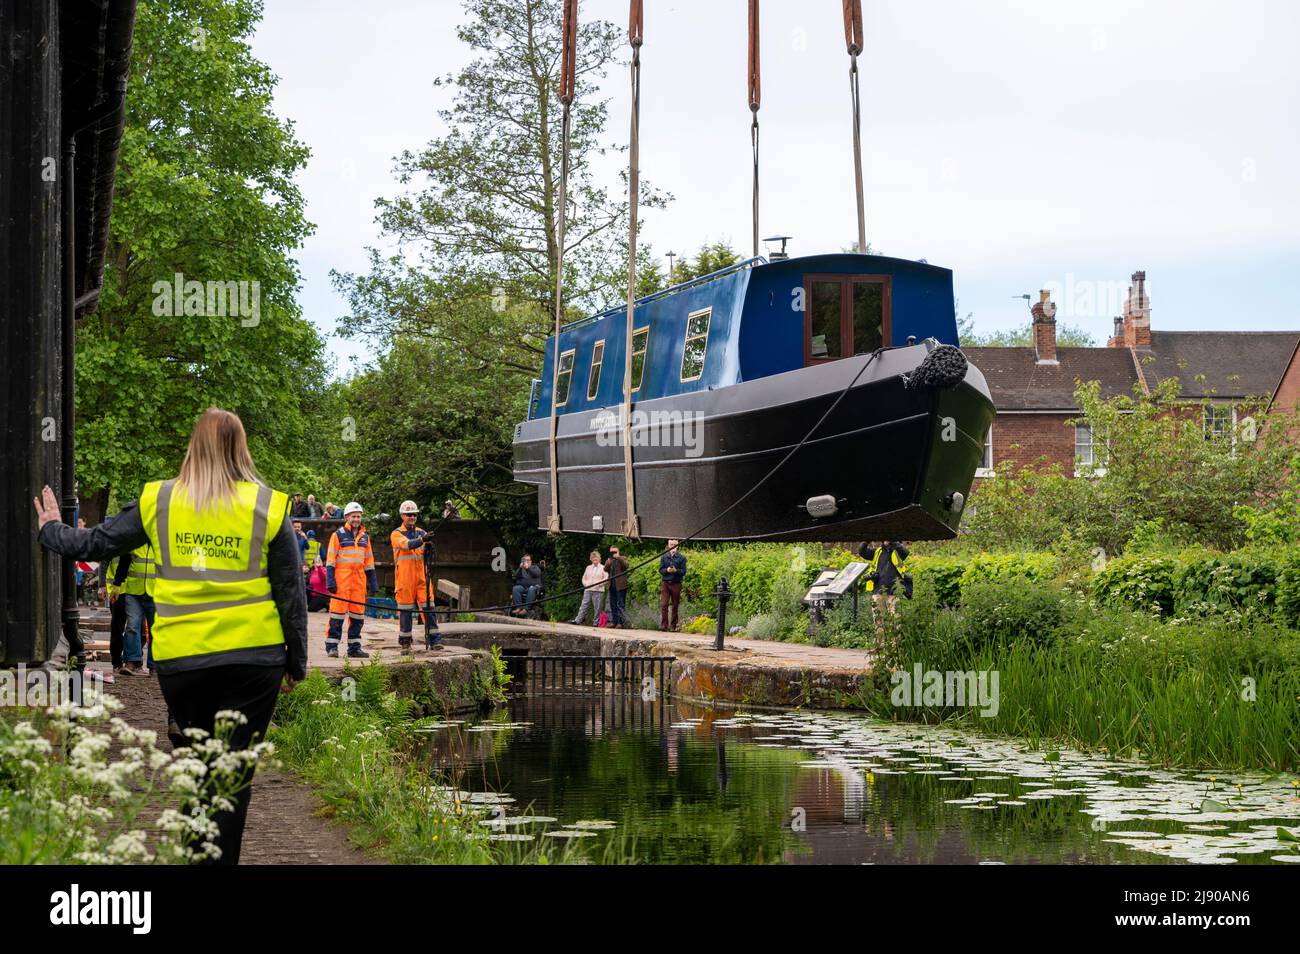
358, 653
332, 651
404, 645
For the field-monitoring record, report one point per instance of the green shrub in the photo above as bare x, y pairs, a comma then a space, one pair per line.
1001, 567
939, 576
1288, 587
701, 624
1141, 582
995, 614
1212, 583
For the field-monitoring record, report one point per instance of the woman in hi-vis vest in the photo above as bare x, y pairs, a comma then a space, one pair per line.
231, 627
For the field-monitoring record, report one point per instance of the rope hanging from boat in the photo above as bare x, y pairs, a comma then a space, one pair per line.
568, 62
853, 38
755, 95
635, 32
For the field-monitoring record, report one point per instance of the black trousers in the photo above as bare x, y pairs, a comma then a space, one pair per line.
116, 629
196, 697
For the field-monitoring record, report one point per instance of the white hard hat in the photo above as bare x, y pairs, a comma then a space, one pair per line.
353, 507
408, 506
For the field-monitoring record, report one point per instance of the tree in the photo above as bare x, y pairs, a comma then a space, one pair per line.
480, 227
711, 257
466, 303
1067, 336
205, 191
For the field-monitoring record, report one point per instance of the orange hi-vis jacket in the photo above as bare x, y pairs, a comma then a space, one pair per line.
408, 569
350, 557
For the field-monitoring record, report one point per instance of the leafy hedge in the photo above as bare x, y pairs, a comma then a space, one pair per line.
1198, 582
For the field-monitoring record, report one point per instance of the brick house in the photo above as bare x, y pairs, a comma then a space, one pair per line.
1033, 387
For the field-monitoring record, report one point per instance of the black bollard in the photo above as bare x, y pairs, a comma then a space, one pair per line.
723, 593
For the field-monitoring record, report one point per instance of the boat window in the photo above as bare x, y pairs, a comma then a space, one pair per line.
824, 310
640, 338
697, 343
593, 379
845, 315
868, 316
562, 382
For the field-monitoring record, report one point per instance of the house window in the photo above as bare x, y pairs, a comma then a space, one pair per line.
985, 468
697, 343
593, 379
562, 382
1220, 421
1089, 453
845, 315
640, 339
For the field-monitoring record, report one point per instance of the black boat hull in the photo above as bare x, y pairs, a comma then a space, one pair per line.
892, 457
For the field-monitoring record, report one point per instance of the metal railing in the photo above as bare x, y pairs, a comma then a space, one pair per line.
588, 673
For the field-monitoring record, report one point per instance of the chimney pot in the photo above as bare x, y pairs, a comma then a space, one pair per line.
1043, 327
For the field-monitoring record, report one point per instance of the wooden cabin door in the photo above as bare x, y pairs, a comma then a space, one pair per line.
845, 315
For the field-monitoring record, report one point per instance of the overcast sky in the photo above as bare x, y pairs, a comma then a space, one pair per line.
1024, 145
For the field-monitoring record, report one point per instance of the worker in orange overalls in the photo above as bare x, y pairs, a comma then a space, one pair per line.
409, 583
349, 575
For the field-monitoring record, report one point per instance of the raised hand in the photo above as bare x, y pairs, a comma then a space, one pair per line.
47, 508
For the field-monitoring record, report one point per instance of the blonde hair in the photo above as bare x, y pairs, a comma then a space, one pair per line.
215, 460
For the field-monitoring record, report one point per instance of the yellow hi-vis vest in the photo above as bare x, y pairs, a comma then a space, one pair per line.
212, 591
313, 551
875, 563
110, 572
140, 574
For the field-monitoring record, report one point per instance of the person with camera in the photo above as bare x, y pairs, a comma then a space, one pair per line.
886, 572
410, 583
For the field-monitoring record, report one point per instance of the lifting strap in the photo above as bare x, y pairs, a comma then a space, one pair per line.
568, 61
755, 95
853, 39
635, 31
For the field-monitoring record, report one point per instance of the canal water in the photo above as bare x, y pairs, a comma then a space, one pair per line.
671, 782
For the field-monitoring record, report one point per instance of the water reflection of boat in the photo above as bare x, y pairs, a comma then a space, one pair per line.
729, 373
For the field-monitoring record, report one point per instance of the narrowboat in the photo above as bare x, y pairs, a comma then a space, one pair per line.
730, 372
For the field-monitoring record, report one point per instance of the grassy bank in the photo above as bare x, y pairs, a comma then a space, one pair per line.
355, 745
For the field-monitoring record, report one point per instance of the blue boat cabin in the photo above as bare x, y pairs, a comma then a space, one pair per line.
754, 319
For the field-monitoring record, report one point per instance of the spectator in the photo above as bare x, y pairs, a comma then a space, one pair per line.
672, 570
299, 509
528, 583
302, 542
112, 574
318, 597
314, 510
616, 570
450, 511
594, 579
331, 512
